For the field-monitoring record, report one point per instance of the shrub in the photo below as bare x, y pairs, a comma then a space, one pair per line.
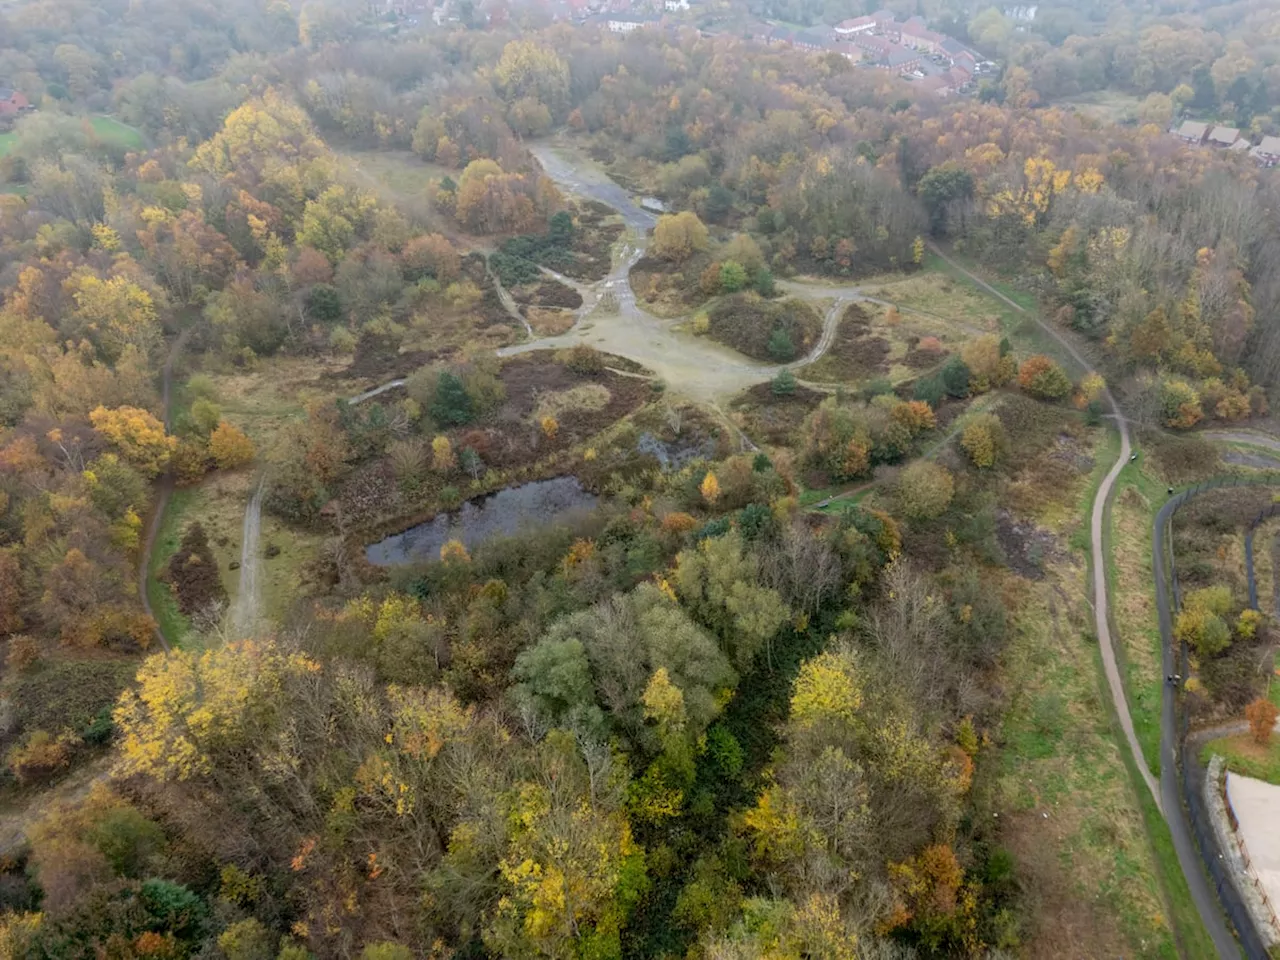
324, 304
1041, 377
982, 439
1179, 404
955, 378
733, 276
584, 359
925, 490
1261, 715
781, 347
41, 756
784, 384
229, 447
452, 405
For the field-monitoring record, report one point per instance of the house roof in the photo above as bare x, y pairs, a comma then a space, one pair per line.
6, 93
1224, 136
1241, 144
900, 57
1193, 130
846, 25
1270, 146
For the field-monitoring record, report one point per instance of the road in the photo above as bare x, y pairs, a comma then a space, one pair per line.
1166, 792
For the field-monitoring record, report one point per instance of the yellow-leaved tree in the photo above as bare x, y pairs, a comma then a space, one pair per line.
137, 434
191, 710
229, 446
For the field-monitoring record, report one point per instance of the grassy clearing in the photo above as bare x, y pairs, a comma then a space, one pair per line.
945, 296
7, 142
397, 177
262, 400
1077, 826
1131, 583
1246, 757
164, 605
218, 504
1106, 106
112, 131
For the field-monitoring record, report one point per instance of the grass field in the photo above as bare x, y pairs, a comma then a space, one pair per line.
1246, 757
1108, 106
397, 177
1077, 826
7, 140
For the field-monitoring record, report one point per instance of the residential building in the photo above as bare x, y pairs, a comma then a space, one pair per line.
626, 22
674, 6
1267, 153
1223, 136
1193, 131
12, 102
847, 28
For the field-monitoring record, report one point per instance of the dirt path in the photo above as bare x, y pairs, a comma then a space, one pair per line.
246, 613
163, 491
14, 824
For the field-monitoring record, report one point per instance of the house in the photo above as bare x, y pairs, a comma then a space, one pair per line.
847, 28
919, 37
1223, 136
12, 102
900, 60
1267, 153
676, 5
878, 47
1240, 146
1193, 131
627, 22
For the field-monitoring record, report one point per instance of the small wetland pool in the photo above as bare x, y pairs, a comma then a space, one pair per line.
503, 513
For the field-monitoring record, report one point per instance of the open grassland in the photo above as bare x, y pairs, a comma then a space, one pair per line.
1077, 829
1105, 106
399, 178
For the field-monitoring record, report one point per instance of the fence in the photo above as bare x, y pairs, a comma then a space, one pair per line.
1189, 770
1263, 516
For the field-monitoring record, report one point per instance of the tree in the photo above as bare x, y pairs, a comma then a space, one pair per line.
1201, 622
452, 405
678, 236
784, 384
781, 347
1261, 714
229, 447
248, 940
1151, 339
983, 439
1043, 378
733, 276
530, 69
942, 190
710, 488
443, 460
924, 490
114, 314
138, 435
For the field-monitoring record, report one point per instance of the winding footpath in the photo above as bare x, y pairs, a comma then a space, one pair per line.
1165, 793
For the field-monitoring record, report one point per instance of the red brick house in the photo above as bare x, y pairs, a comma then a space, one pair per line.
11, 102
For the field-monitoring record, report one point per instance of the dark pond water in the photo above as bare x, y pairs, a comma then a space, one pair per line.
497, 514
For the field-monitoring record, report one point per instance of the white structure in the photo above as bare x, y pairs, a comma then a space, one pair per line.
675, 6
625, 23
847, 28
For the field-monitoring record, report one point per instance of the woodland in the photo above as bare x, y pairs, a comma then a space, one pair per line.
782, 692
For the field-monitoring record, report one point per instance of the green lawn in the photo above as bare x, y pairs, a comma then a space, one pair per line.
114, 132
1246, 757
7, 140
163, 603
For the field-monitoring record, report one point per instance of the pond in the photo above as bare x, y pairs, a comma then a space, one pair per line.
497, 514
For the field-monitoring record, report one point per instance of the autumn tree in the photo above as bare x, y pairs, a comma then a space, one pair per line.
924, 490
983, 439
230, 447
1041, 377
528, 69
678, 236
1261, 714
138, 435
